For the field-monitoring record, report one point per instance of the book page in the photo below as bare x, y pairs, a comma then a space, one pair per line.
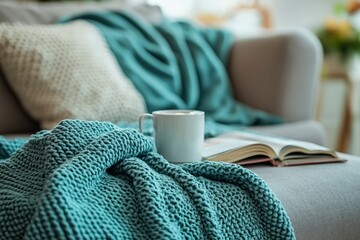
231, 149
281, 146
213, 146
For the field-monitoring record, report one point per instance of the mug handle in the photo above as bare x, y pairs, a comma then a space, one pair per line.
142, 117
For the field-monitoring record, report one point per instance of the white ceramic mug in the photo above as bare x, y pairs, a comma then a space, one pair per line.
179, 134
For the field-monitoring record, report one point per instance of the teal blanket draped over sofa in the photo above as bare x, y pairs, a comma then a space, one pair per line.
176, 65
94, 180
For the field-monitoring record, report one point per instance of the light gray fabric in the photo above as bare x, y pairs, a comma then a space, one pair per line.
323, 201
278, 72
46, 13
307, 130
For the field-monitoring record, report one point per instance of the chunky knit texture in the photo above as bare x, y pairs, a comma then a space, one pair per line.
66, 72
95, 180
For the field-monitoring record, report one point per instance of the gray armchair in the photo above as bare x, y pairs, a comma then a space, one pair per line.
279, 72
276, 72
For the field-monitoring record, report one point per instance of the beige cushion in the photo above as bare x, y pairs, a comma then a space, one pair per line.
66, 71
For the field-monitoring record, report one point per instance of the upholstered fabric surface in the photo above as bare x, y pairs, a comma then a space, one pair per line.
322, 200
66, 72
48, 12
279, 72
306, 130
93, 180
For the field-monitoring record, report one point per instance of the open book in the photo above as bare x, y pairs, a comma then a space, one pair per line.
250, 147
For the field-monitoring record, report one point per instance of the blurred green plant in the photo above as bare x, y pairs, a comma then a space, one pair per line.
338, 35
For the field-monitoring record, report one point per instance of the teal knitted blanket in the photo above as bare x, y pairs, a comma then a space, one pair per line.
176, 65
95, 180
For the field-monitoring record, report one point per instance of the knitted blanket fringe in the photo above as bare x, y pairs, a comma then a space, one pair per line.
95, 180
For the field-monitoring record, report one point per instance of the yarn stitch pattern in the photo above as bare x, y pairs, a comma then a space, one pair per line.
95, 180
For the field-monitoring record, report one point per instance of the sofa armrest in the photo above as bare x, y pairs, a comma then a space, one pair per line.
278, 72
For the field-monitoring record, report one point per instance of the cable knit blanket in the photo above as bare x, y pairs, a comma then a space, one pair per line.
176, 65
95, 180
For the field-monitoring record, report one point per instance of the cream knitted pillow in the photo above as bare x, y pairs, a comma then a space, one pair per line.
66, 71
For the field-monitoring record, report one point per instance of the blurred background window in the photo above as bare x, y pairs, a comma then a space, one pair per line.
242, 17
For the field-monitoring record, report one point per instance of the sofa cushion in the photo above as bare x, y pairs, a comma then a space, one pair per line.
66, 71
322, 200
306, 130
45, 13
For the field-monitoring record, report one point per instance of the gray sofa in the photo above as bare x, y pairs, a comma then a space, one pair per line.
277, 72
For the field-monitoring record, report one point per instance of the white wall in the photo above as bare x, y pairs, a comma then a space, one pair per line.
304, 13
